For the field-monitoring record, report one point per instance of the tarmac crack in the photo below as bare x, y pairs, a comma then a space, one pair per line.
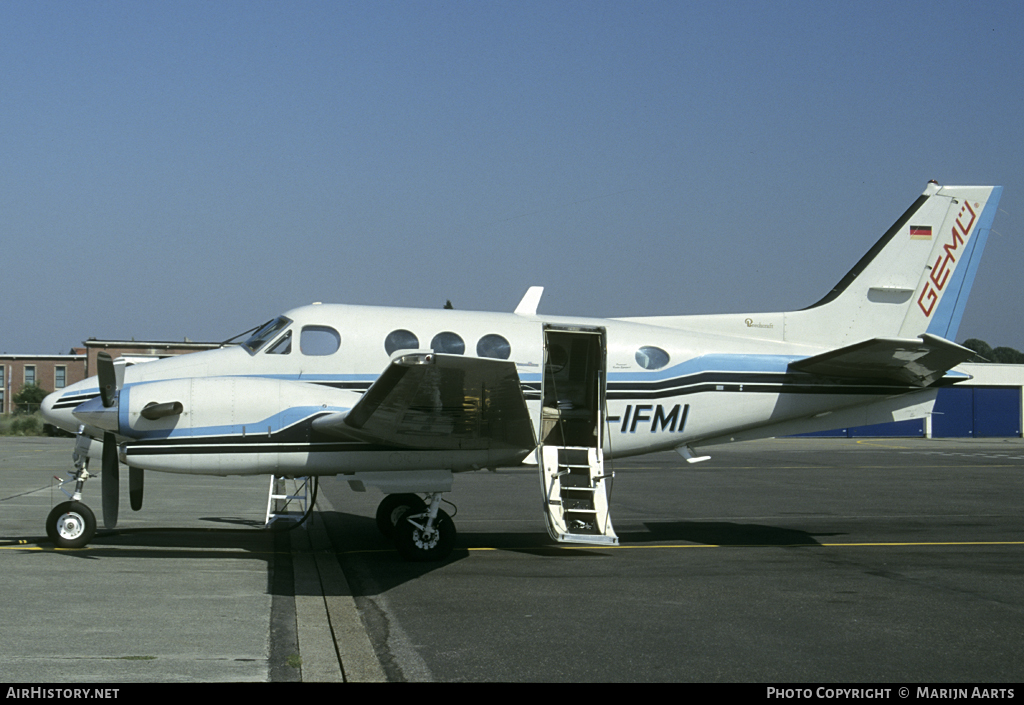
24, 494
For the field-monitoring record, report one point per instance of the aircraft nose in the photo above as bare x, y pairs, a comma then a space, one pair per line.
47, 406
93, 413
58, 414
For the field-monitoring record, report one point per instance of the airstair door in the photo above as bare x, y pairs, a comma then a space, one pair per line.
571, 460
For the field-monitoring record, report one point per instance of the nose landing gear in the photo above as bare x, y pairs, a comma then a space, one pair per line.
72, 524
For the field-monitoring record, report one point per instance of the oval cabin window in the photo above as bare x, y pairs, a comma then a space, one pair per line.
495, 346
401, 340
448, 342
651, 358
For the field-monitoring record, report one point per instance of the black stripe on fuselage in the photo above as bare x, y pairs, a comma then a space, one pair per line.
70, 402
748, 382
215, 445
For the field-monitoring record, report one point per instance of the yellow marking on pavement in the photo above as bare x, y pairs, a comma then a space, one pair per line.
882, 445
564, 547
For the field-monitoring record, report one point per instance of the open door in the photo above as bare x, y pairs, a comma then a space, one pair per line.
571, 460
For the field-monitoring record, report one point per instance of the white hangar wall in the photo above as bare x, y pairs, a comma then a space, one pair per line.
989, 405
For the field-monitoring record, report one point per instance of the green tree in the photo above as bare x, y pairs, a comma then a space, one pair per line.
30, 397
981, 347
1007, 356
1004, 355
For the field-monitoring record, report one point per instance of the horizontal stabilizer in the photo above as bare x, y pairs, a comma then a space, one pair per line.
896, 360
440, 402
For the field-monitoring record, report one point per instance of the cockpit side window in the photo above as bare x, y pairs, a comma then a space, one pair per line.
283, 346
267, 332
319, 340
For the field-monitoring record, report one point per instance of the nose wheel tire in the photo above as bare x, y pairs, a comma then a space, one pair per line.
415, 543
71, 525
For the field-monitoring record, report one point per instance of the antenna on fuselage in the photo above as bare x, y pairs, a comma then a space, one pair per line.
528, 306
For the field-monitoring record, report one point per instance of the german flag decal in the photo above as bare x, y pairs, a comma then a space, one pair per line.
920, 232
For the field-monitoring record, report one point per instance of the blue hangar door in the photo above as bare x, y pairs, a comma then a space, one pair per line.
977, 412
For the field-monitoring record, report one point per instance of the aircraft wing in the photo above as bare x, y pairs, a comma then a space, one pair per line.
917, 362
440, 402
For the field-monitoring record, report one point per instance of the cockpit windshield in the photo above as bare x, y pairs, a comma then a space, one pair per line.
267, 332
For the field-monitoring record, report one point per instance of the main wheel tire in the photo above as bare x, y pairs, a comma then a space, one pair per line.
71, 525
391, 509
414, 544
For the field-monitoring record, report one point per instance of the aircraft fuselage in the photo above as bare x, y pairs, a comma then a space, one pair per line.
249, 411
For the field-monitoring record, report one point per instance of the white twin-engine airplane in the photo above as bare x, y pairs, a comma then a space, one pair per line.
401, 399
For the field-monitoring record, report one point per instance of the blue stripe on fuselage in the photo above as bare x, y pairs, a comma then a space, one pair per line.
711, 363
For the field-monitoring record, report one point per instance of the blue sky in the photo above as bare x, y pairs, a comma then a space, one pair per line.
174, 169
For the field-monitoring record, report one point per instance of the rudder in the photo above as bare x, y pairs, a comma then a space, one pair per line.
941, 296
915, 279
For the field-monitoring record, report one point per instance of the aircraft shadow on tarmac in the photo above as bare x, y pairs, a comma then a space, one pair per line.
170, 542
722, 533
373, 566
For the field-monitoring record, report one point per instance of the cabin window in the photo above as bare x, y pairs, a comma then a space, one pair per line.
651, 358
495, 346
267, 332
319, 340
448, 342
401, 340
282, 346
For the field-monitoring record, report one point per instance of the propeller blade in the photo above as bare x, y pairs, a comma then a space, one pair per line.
111, 479
108, 378
135, 482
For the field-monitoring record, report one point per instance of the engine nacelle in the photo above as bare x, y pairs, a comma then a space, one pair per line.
226, 425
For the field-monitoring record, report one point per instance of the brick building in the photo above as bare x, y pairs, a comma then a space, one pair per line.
139, 351
53, 372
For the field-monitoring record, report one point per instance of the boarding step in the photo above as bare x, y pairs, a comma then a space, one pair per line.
288, 499
575, 495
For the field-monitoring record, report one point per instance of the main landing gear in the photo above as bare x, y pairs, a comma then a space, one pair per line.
421, 530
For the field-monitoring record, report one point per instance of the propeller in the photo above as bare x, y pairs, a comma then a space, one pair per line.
135, 482
111, 476
104, 413
111, 480
108, 379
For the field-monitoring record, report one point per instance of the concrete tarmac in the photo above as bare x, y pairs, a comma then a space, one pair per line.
878, 560
779, 561
190, 588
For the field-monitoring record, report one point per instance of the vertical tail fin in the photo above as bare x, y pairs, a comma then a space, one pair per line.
941, 295
914, 280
